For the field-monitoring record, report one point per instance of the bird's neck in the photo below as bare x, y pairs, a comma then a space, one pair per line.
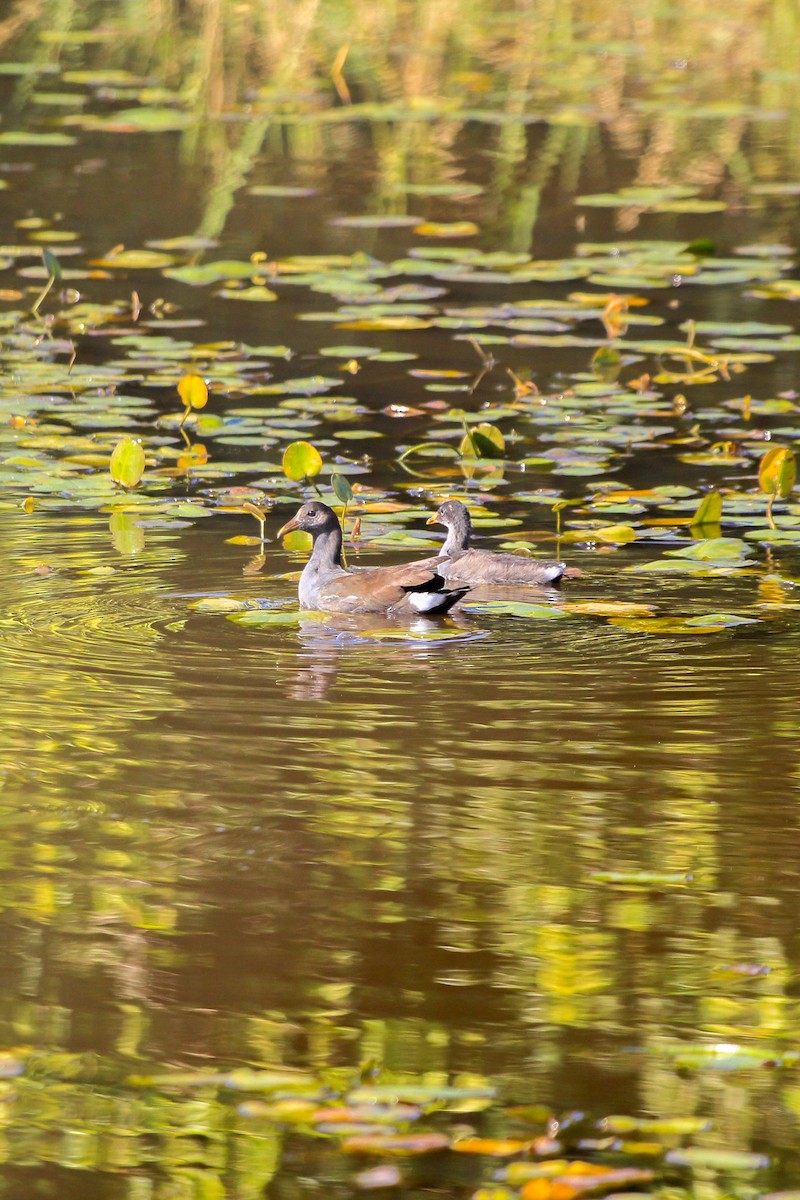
325, 561
458, 537
327, 549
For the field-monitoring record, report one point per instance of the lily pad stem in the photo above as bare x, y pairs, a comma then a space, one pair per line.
43, 295
344, 518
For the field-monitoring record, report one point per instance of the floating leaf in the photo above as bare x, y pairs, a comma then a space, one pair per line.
496, 1147
710, 549
127, 463
254, 618
255, 294
144, 120
349, 351
447, 229
219, 604
608, 608
516, 608
187, 243
281, 191
672, 625
614, 533
668, 1126
19, 137
203, 274
709, 1158
301, 460
136, 260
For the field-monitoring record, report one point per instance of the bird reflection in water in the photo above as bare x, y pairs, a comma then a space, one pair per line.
328, 640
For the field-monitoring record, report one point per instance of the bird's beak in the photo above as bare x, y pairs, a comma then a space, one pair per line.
434, 520
288, 527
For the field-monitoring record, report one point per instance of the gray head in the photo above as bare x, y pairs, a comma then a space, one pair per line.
315, 518
455, 517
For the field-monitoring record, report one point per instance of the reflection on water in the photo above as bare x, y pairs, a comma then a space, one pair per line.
313, 846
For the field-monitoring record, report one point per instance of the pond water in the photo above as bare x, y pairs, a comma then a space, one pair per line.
294, 901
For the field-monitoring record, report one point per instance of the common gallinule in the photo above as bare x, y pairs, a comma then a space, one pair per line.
327, 586
462, 563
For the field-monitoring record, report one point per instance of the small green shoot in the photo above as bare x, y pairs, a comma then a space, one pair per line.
344, 494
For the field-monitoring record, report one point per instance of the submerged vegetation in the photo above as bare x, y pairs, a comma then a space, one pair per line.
494, 904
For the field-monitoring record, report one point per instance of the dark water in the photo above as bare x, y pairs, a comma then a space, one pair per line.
542, 853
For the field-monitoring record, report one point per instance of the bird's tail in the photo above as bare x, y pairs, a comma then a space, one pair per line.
434, 596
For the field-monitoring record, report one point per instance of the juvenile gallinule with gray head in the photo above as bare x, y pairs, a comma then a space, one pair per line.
327, 586
463, 563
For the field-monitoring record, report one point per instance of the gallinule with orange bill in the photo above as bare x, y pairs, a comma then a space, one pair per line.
462, 563
326, 585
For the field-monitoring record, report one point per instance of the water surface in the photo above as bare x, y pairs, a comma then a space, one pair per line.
547, 855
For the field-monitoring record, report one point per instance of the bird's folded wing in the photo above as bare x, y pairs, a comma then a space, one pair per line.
486, 567
375, 590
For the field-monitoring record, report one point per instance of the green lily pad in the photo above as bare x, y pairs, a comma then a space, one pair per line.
145, 120
220, 604
349, 351
513, 608
138, 260
256, 618
281, 192
257, 293
709, 549
22, 137
665, 625
203, 274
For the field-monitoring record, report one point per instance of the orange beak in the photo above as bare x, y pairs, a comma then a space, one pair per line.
434, 520
288, 527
